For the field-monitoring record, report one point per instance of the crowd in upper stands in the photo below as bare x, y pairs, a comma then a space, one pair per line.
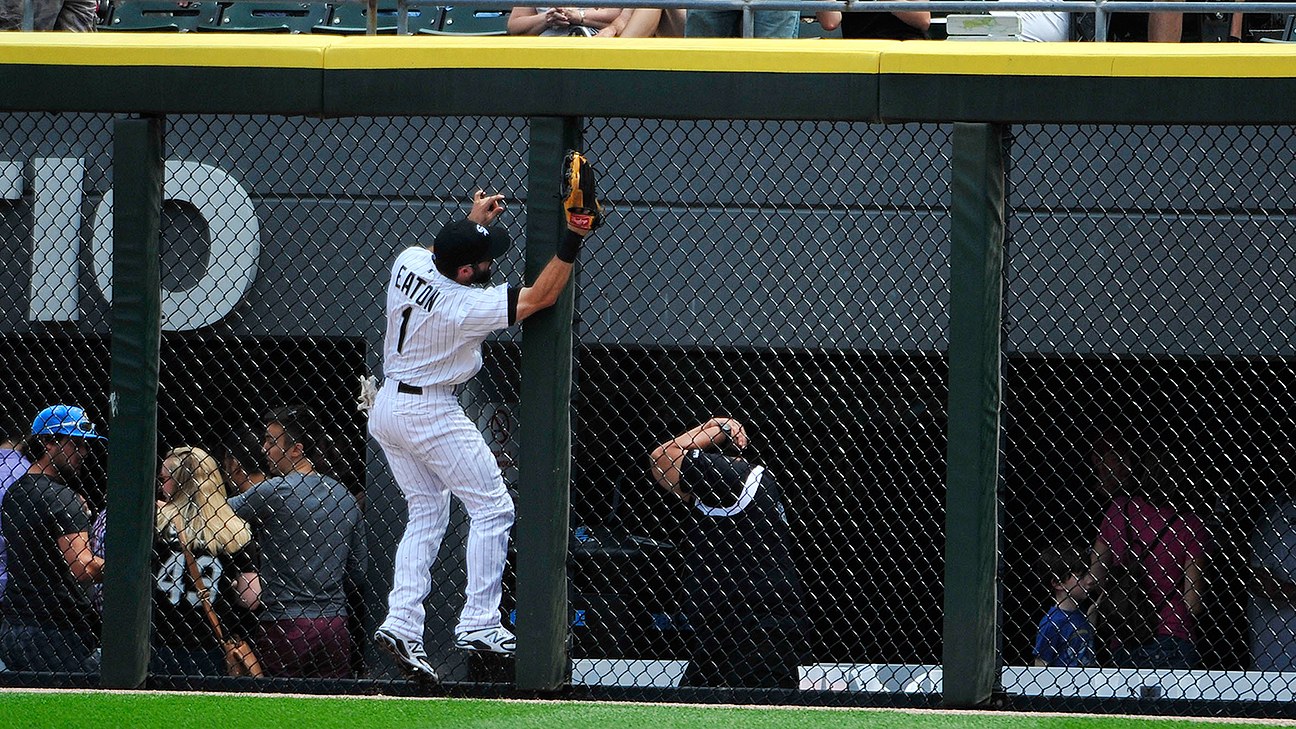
277, 16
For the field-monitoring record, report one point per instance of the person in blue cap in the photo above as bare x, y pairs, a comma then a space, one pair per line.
49, 623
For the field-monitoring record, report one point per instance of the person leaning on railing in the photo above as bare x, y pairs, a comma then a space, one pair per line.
76, 15
907, 25
649, 23
728, 23
561, 21
602, 22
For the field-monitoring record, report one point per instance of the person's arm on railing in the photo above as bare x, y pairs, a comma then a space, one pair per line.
1165, 27
594, 17
920, 19
527, 21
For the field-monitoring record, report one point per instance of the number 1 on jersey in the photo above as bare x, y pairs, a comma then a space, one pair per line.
405, 316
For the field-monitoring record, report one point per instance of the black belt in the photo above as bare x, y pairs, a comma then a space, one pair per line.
408, 389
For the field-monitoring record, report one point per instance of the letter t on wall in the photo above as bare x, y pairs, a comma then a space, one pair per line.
56, 239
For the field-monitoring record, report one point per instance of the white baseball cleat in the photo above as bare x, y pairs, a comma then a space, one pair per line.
486, 640
409, 655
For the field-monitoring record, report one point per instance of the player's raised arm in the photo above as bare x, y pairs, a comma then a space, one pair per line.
584, 214
486, 208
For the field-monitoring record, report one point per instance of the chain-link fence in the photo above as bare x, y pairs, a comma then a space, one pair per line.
1147, 404
788, 279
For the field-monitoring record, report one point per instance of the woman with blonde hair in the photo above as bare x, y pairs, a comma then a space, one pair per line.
194, 511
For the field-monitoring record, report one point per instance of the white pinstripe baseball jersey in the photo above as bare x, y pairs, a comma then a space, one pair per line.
435, 326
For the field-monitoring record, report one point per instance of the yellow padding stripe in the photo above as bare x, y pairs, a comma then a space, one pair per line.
164, 49
1133, 60
734, 55
1129, 60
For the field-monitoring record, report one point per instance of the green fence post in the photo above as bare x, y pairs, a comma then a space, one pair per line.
971, 516
544, 458
138, 169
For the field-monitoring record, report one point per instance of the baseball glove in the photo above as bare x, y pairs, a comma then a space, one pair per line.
582, 208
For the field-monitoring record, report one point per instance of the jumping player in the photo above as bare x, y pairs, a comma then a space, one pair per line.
437, 319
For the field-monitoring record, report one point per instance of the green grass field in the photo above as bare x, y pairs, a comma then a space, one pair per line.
104, 710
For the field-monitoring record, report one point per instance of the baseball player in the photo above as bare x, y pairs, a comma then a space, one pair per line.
437, 319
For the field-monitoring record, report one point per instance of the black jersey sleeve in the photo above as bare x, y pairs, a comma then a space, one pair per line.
513, 294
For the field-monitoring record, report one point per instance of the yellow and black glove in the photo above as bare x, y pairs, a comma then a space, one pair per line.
580, 204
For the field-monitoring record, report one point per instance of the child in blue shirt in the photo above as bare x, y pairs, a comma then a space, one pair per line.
1065, 636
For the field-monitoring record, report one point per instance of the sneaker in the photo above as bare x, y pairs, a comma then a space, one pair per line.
486, 640
409, 655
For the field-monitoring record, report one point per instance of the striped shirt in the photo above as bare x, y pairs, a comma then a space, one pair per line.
436, 326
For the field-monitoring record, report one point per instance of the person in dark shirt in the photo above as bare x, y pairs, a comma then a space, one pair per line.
49, 624
744, 598
195, 511
907, 25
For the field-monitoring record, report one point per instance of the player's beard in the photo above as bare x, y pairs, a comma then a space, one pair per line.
482, 275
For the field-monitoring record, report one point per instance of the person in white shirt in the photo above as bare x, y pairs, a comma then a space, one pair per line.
437, 319
1041, 26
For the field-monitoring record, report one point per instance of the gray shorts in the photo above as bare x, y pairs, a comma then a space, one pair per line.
728, 24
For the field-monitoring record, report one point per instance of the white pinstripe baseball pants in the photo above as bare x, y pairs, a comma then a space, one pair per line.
434, 451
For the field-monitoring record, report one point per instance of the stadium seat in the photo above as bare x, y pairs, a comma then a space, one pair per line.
1287, 32
473, 21
162, 16
270, 17
351, 19
810, 28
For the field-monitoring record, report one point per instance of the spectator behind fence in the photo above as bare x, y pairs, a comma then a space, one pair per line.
1041, 26
311, 536
49, 623
728, 24
743, 593
561, 21
603, 22
1065, 637
194, 511
899, 25
1272, 608
12, 466
76, 15
1153, 541
1162, 27
649, 23
239, 455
